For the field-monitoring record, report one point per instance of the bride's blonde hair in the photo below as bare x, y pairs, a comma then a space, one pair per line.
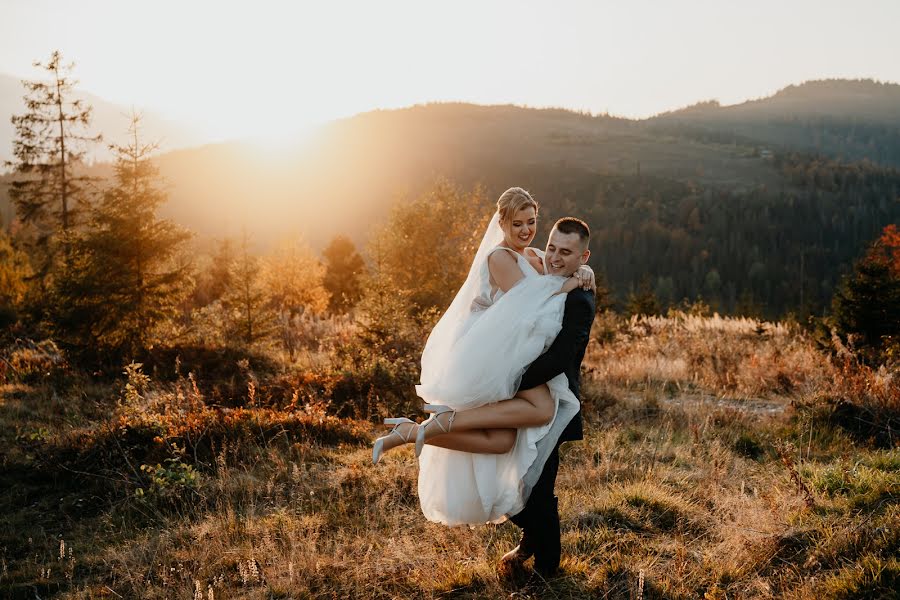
512, 201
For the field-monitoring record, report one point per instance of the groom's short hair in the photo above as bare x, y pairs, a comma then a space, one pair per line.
570, 225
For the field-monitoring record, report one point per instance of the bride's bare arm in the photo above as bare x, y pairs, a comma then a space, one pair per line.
571, 283
505, 271
583, 278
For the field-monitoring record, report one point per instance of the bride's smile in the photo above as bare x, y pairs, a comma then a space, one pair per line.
521, 228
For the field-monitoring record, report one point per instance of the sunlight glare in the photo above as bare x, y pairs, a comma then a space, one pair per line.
283, 142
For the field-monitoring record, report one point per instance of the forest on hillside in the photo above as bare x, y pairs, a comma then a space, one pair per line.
683, 205
757, 251
741, 230
847, 120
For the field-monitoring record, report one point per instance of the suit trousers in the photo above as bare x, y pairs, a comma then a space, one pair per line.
539, 520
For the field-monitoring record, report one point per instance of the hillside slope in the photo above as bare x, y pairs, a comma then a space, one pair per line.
851, 120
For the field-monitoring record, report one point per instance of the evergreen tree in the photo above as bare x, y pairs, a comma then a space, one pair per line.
602, 297
643, 301
215, 279
292, 278
49, 195
426, 248
866, 305
344, 269
665, 291
246, 301
14, 272
123, 276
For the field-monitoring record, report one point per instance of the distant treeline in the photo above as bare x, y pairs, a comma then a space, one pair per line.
850, 120
756, 251
848, 140
707, 203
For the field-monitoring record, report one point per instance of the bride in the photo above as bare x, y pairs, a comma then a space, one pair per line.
484, 446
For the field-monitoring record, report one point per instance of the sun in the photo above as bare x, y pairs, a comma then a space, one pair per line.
275, 143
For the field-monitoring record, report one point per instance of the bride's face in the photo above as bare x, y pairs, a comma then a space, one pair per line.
519, 231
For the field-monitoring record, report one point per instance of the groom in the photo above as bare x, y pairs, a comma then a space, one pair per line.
567, 249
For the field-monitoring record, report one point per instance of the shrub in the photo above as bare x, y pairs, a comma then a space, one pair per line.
863, 401
174, 434
748, 446
168, 482
28, 361
866, 306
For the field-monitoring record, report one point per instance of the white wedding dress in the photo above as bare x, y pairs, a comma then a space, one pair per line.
476, 355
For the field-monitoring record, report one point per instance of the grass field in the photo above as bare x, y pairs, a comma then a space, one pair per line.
721, 460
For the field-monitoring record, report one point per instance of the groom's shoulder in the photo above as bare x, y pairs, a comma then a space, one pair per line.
581, 300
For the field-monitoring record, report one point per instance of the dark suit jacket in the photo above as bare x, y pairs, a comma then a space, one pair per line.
566, 353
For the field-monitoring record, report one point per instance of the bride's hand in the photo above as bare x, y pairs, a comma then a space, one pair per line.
570, 284
585, 277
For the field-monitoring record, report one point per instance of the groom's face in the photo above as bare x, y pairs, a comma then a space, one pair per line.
565, 253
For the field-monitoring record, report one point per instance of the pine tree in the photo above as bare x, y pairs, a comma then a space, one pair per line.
221, 267
123, 275
215, 279
14, 272
867, 303
344, 270
426, 248
602, 297
292, 279
49, 195
643, 301
246, 301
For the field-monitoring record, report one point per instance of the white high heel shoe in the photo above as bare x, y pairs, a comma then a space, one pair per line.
436, 411
378, 448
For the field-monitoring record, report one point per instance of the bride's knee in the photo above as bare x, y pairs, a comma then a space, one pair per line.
542, 401
547, 410
544, 410
502, 440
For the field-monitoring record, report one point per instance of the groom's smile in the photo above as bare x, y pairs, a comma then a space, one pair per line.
565, 253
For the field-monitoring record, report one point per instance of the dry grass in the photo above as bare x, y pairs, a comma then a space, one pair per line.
729, 356
663, 499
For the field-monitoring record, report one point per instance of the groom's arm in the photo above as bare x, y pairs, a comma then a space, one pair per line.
576, 327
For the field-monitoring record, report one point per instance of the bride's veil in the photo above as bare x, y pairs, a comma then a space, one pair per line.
445, 333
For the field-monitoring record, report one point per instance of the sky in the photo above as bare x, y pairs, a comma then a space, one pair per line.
265, 68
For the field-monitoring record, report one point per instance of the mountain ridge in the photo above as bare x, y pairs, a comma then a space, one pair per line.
109, 118
766, 216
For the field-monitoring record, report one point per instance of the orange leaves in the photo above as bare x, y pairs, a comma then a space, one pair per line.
890, 243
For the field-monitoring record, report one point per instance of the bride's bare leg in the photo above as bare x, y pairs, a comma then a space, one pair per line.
479, 441
489, 429
530, 408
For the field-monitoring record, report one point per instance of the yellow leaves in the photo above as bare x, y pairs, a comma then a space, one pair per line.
293, 278
14, 271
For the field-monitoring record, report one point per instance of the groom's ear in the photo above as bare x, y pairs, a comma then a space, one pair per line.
585, 256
